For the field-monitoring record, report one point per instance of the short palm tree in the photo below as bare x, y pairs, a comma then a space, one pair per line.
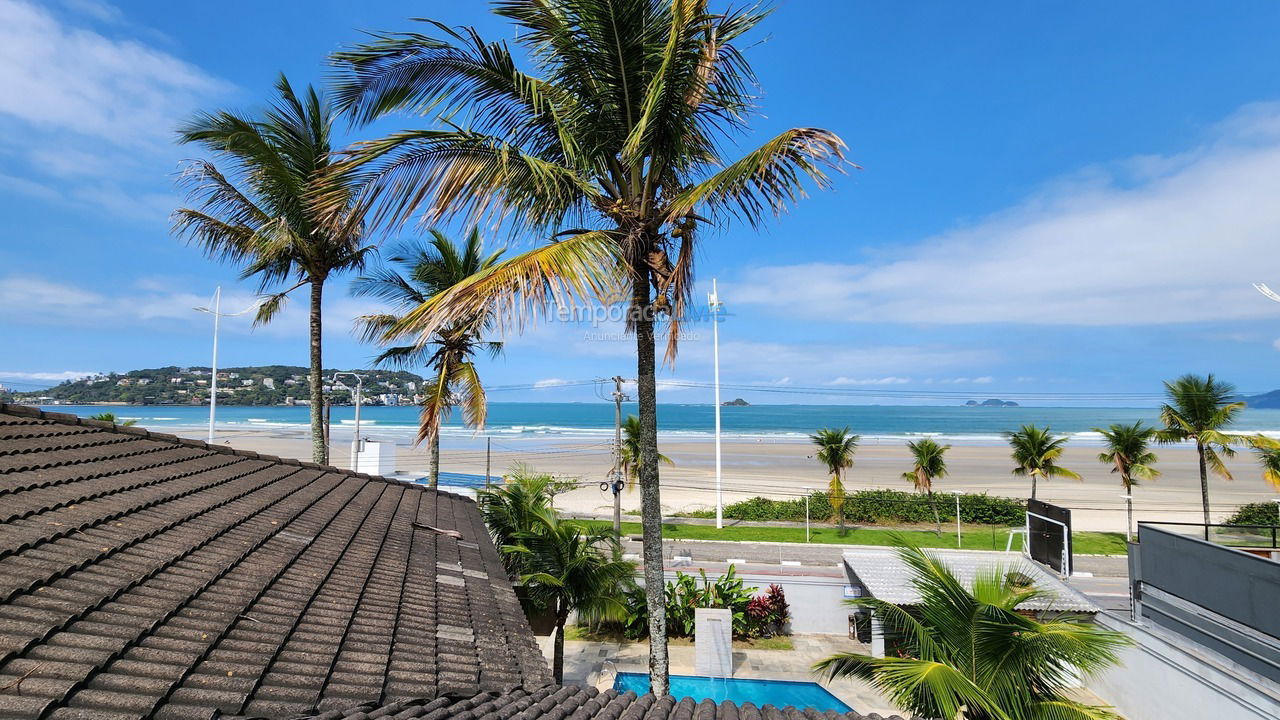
111, 418
568, 568
1128, 452
515, 508
835, 452
631, 450
255, 206
611, 141
1269, 458
1199, 409
1036, 452
966, 652
426, 270
930, 464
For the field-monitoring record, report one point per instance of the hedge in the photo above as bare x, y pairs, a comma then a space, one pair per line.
1254, 514
875, 506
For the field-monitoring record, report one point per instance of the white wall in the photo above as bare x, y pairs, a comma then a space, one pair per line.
1164, 677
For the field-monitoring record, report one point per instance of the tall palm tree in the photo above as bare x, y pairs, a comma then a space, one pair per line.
255, 206
835, 452
426, 270
1128, 452
567, 569
612, 144
1036, 452
631, 450
1199, 409
968, 653
930, 464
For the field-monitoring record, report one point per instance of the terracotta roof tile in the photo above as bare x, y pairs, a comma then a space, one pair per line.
146, 576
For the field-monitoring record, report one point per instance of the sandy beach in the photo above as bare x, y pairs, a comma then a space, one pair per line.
784, 468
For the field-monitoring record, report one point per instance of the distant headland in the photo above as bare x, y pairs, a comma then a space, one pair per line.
993, 402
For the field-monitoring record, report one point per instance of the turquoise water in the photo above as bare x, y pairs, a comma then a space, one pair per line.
779, 693
961, 425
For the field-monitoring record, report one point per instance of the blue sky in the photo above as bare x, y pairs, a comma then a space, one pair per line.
1057, 198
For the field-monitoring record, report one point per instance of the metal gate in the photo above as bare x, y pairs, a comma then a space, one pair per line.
1049, 535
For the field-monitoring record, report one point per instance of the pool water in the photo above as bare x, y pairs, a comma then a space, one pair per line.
779, 693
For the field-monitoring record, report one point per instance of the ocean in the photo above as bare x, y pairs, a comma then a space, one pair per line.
554, 421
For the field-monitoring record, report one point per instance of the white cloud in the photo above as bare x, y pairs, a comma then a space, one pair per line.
160, 305
48, 376
549, 383
1153, 240
71, 78
87, 120
890, 380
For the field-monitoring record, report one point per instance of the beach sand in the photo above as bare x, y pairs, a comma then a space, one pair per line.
783, 468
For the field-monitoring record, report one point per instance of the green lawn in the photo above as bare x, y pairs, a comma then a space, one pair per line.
973, 538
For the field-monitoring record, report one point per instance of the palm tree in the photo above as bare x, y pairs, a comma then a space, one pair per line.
1036, 452
1198, 409
258, 209
835, 452
929, 465
968, 653
611, 144
631, 450
1128, 452
512, 509
426, 270
1269, 458
111, 418
565, 569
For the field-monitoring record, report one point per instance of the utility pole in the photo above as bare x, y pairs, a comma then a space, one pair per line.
617, 455
488, 454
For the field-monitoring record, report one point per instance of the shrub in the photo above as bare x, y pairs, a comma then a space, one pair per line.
878, 506
765, 614
1254, 514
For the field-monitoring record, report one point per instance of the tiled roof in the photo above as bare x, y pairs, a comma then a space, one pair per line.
575, 703
888, 578
147, 576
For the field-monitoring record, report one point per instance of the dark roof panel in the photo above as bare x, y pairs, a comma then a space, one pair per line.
143, 576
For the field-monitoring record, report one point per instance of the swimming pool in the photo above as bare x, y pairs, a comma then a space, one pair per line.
739, 690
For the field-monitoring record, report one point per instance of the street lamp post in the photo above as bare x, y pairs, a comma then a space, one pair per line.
806, 514
957, 494
1128, 516
713, 302
215, 309
356, 443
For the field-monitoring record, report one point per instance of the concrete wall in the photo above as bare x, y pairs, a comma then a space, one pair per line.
1164, 677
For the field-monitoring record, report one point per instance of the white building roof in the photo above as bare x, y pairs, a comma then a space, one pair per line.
886, 577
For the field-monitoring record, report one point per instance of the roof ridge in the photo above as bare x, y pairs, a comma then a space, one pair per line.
33, 411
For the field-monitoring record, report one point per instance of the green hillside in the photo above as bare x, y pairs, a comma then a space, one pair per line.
260, 385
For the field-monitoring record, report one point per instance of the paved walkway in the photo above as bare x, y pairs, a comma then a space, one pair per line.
585, 661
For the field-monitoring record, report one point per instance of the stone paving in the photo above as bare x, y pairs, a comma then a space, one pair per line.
585, 664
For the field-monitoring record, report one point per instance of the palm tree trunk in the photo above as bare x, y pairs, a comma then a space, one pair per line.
319, 449
933, 503
1204, 486
435, 460
557, 655
1033, 486
647, 469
